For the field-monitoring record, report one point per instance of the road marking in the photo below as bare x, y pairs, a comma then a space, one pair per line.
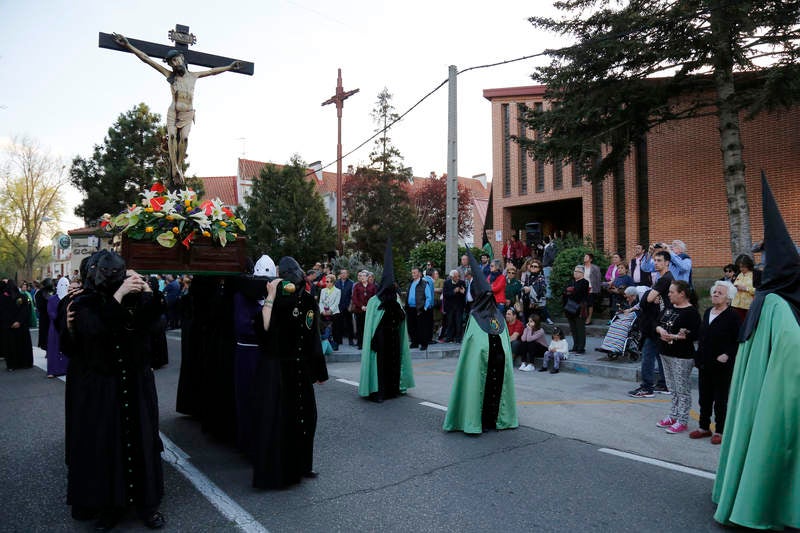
231, 510
348, 382
434, 405
579, 402
179, 460
433, 373
662, 464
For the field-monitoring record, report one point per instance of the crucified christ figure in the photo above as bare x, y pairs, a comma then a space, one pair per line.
180, 114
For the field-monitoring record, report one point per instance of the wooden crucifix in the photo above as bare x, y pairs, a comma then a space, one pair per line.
338, 99
180, 114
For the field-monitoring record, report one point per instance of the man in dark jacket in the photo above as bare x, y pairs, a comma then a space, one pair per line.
343, 323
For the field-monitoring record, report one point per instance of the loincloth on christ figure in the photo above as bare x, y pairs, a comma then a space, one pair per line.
184, 118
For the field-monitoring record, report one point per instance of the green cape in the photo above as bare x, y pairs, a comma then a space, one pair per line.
466, 397
758, 479
369, 364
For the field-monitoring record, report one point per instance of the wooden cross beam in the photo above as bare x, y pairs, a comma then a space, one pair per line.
182, 39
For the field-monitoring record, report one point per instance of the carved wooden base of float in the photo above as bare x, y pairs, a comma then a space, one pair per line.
202, 257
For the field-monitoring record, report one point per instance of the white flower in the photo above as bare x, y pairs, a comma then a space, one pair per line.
201, 219
187, 194
173, 197
148, 195
216, 210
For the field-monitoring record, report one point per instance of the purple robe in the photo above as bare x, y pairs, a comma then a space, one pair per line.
247, 314
57, 362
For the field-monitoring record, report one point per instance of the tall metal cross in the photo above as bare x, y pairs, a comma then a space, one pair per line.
338, 99
182, 39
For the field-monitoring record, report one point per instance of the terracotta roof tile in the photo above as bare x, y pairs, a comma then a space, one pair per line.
225, 187
222, 187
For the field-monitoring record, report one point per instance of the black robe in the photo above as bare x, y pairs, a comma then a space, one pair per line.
16, 342
206, 386
40, 301
286, 411
386, 344
112, 442
159, 352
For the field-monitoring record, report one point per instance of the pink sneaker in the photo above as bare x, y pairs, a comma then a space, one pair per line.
677, 427
667, 422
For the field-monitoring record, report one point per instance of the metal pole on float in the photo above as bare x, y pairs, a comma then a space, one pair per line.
451, 239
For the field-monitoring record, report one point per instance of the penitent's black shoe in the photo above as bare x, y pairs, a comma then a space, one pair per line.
155, 521
311, 474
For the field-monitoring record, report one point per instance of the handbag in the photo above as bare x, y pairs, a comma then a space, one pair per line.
351, 308
572, 307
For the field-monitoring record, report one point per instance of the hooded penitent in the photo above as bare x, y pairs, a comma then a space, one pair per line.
387, 291
781, 274
483, 397
254, 286
62, 288
386, 368
758, 477
109, 271
290, 270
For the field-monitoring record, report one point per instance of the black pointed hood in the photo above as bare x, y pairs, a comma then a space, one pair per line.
109, 271
781, 266
289, 269
484, 307
387, 290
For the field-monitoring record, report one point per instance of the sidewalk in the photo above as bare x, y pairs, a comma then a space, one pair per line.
592, 362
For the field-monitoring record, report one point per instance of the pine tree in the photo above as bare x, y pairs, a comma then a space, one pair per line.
376, 204
607, 99
286, 216
132, 157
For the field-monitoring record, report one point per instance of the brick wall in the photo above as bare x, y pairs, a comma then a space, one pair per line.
686, 190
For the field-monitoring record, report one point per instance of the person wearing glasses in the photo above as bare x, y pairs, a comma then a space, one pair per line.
534, 291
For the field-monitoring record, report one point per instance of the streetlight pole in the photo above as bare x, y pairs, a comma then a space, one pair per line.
338, 99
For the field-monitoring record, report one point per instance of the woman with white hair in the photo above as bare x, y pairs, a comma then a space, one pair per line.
680, 264
716, 354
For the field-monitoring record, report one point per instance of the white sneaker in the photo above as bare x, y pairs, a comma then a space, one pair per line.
523, 367
528, 367
550, 322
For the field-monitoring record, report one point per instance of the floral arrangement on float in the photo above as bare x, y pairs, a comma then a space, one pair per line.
169, 217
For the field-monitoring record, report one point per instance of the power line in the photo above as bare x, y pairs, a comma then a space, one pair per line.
545, 52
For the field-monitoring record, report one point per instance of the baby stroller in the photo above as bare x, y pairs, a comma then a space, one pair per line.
623, 338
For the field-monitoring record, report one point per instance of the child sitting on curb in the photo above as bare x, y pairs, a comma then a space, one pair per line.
556, 351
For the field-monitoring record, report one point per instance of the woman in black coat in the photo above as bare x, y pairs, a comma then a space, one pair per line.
716, 354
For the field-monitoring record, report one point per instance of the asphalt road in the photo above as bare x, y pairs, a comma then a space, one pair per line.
390, 467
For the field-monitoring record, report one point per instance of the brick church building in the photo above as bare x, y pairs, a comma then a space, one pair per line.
671, 186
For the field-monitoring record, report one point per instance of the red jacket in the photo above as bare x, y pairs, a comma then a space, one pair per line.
362, 294
498, 288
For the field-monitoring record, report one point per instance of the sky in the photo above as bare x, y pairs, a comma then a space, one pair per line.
63, 91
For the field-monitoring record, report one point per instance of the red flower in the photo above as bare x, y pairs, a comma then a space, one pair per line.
157, 203
207, 206
104, 223
157, 187
228, 212
188, 240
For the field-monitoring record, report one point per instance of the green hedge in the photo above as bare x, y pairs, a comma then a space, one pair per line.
570, 253
435, 252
